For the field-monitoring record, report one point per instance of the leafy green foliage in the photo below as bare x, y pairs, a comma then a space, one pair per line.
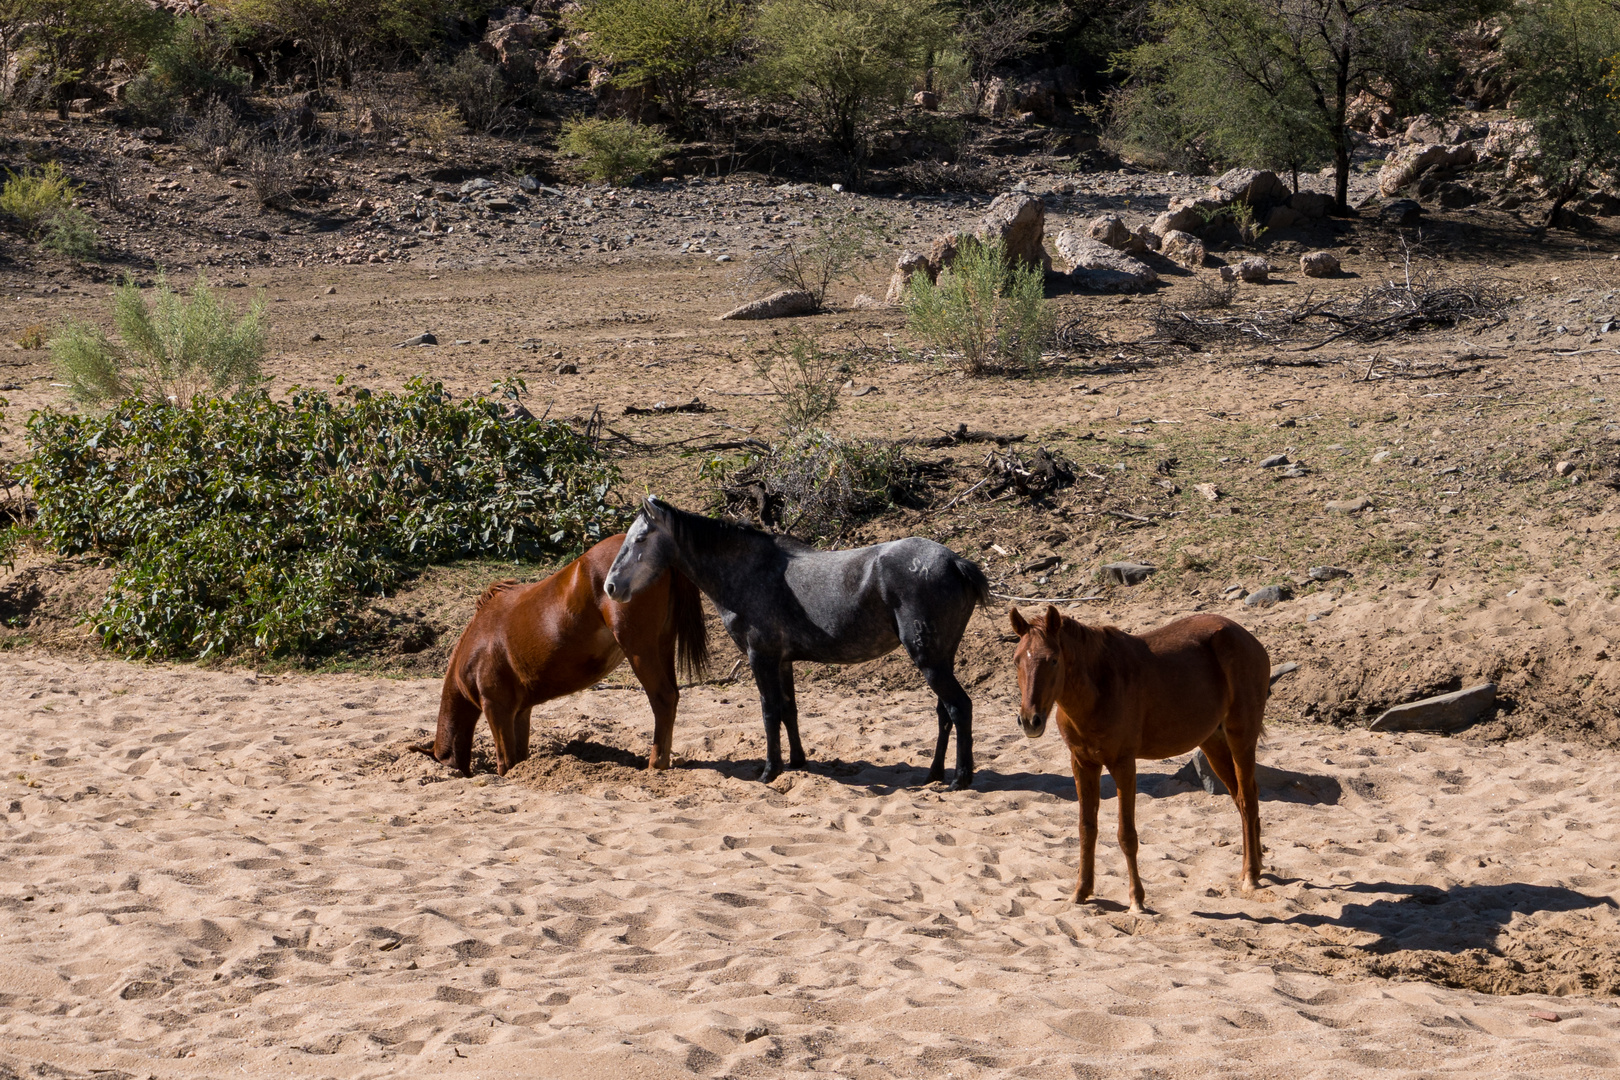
613, 150
841, 61
172, 350
984, 308
335, 35
33, 198
813, 483
75, 38
252, 525
476, 89
190, 66
1565, 53
72, 233
675, 46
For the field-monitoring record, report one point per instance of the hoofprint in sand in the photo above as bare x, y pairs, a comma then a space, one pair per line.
211, 874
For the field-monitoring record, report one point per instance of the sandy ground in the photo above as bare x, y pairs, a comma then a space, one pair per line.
215, 874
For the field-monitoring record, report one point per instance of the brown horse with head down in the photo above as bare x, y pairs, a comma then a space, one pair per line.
528, 644
1201, 681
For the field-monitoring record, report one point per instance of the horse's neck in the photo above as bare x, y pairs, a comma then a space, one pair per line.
720, 571
1088, 663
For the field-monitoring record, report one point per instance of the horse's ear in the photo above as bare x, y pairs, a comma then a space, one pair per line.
1020, 624
1054, 622
654, 508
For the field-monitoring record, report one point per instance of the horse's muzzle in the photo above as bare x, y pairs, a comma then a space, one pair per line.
1034, 727
610, 588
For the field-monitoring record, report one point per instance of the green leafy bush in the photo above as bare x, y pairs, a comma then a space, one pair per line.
33, 198
813, 483
675, 46
253, 525
476, 89
984, 308
190, 66
71, 232
169, 351
613, 150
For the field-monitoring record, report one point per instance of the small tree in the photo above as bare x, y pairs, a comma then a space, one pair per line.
812, 263
839, 61
613, 150
677, 47
1273, 79
1566, 83
171, 351
77, 37
334, 34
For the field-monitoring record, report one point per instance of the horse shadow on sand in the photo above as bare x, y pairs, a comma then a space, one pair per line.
1411, 917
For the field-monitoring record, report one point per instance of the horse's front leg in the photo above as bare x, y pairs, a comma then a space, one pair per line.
1124, 774
955, 710
790, 717
1088, 790
772, 707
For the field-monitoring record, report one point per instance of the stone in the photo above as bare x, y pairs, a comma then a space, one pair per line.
475, 185
942, 253
1254, 187
1229, 273
1284, 217
1425, 129
1313, 204
1125, 573
1326, 573
1349, 506
1444, 712
1408, 163
1402, 213
1254, 269
1280, 670
1269, 596
1182, 248
1564, 468
567, 367
1369, 113
1319, 264
1274, 461
1187, 215
1110, 230
1142, 241
566, 65
908, 264
1208, 491
778, 305
1454, 196
1019, 223
1095, 265
1199, 773
501, 206
926, 100
425, 338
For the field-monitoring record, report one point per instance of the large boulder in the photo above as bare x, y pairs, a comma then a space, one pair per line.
1182, 248
1313, 204
1319, 264
1111, 230
908, 264
942, 253
1095, 265
1408, 163
1254, 187
566, 65
1186, 215
1018, 221
1284, 217
778, 305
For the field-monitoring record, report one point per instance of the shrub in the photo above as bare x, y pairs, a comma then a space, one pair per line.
33, 198
613, 150
813, 483
806, 379
983, 308
675, 46
476, 89
813, 263
252, 525
170, 351
74, 38
191, 65
71, 232
840, 61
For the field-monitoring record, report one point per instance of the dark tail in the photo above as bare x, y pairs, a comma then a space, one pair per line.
973, 574
691, 633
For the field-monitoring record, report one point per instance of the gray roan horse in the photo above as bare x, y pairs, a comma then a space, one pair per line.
782, 601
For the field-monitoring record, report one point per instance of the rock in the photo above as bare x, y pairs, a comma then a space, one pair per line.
1402, 213
1142, 241
1454, 196
1326, 573
475, 185
1095, 265
1274, 461
1198, 773
1319, 264
1019, 223
1445, 712
425, 338
1369, 113
1208, 491
1280, 670
908, 264
1229, 273
755, 1031
1270, 596
501, 206
1408, 163
1182, 248
1564, 468
1187, 215
1125, 573
567, 367
256, 235
330, 290
1425, 129
942, 253
1255, 187
1254, 269
565, 65
1284, 217
778, 305
1110, 230
926, 100
1349, 506
1313, 204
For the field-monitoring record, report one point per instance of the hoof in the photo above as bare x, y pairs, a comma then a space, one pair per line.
1080, 895
769, 773
961, 783
935, 776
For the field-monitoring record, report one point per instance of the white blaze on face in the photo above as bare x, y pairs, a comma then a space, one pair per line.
631, 572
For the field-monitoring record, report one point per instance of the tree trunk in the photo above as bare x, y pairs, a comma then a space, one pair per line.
1340, 134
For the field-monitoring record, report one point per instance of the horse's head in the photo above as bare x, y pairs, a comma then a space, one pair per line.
1039, 662
647, 552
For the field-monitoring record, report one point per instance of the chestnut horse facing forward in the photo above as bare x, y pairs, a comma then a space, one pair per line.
528, 644
1200, 681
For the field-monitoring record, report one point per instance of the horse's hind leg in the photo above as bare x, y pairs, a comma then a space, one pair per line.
1124, 774
1239, 780
774, 677
955, 710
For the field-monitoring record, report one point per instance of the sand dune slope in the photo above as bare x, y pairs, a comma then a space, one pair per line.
209, 874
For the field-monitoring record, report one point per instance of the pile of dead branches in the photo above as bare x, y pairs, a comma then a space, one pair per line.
1375, 314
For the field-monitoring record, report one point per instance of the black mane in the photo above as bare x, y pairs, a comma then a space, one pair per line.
716, 532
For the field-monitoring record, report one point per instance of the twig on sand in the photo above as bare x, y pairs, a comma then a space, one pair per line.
1044, 599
